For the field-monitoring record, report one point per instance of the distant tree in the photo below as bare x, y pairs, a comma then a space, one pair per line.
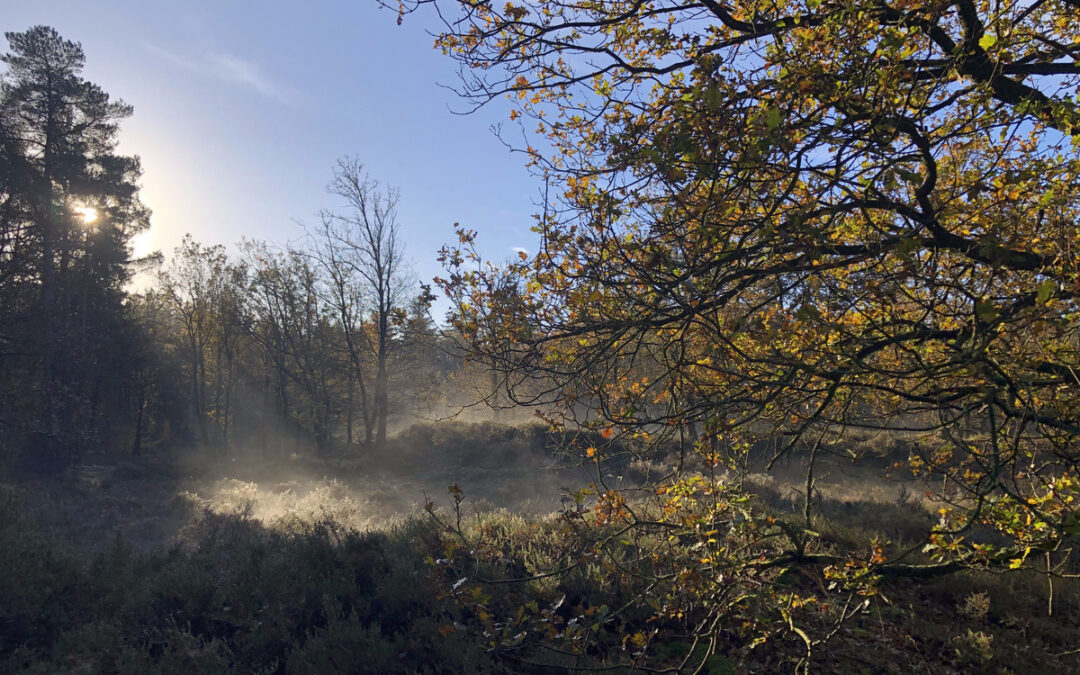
69, 207
493, 376
416, 363
347, 295
286, 316
201, 287
360, 248
154, 378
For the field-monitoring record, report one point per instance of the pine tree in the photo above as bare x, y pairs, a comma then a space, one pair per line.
69, 208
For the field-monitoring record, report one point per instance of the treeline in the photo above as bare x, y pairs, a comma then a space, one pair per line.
318, 347
287, 349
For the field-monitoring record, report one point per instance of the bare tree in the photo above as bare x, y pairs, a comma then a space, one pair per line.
368, 280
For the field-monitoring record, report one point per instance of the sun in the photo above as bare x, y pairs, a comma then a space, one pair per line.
88, 213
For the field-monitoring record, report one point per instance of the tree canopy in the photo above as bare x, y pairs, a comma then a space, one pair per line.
797, 219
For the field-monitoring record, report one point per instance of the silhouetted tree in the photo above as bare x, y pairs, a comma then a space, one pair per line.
203, 289
69, 207
285, 315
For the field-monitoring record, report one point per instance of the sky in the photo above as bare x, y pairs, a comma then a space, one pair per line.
243, 107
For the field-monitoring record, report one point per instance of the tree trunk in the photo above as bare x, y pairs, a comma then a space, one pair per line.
381, 379
382, 408
196, 407
349, 416
136, 447
50, 385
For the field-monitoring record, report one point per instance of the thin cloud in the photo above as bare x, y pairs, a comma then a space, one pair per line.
234, 69
230, 69
171, 57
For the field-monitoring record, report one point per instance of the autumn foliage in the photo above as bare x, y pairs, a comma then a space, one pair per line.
796, 220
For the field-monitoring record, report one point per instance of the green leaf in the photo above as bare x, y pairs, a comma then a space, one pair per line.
1044, 291
808, 313
772, 118
984, 310
907, 246
910, 176
1070, 524
713, 98
987, 41
891, 41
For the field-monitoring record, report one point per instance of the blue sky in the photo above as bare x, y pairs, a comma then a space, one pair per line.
243, 107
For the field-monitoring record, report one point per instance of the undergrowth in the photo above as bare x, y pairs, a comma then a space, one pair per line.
231, 596
466, 592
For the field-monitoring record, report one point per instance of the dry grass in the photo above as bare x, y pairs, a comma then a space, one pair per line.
298, 565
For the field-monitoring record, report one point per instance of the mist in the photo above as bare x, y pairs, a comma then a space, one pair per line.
788, 385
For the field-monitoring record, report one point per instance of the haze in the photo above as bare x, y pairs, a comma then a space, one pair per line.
780, 376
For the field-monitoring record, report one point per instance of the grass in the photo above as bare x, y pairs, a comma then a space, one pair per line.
269, 567
230, 596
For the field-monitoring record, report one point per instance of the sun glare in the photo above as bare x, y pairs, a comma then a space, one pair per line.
89, 214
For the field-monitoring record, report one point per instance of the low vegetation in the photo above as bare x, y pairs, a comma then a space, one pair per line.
803, 325
260, 574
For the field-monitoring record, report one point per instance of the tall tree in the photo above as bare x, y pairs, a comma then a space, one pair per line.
346, 293
360, 247
201, 286
811, 216
68, 211
287, 316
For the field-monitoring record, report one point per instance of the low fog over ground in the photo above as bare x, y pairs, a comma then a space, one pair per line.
149, 501
522, 468
210, 558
